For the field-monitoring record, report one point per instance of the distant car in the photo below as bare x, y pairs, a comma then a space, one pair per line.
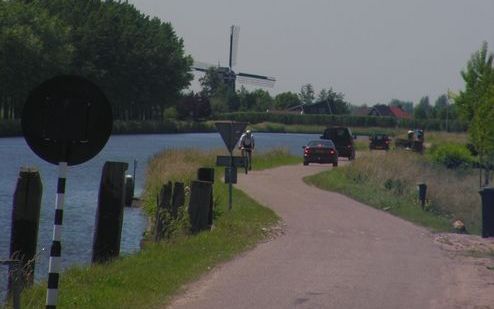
379, 141
320, 151
343, 139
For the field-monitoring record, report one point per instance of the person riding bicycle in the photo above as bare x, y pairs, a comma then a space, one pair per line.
247, 144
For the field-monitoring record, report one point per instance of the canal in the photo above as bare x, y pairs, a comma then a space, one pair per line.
83, 185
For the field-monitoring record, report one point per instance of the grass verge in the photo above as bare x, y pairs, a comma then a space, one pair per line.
388, 180
370, 193
151, 277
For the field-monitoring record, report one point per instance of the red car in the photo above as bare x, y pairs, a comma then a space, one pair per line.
320, 151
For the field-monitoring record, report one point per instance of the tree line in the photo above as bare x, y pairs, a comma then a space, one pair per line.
138, 61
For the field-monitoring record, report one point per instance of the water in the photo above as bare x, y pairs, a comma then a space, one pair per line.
83, 185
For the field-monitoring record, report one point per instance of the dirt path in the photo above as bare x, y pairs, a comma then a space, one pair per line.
338, 253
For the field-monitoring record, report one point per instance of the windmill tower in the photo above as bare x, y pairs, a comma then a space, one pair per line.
227, 74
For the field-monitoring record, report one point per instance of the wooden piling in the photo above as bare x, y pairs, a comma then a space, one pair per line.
109, 215
129, 190
207, 174
25, 223
200, 192
178, 198
163, 209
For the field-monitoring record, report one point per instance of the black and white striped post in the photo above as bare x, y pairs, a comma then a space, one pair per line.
54, 266
66, 121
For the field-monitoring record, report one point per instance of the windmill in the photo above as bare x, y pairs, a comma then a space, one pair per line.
228, 75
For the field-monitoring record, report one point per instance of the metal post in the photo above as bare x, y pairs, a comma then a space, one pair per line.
56, 247
422, 191
230, 185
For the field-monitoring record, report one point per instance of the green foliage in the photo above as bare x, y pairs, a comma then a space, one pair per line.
286, 100
476, 104
193, 106
423, 110
138, 61
442, 109
451, 155
335, 100
306, 94
405, 105
478, 77
34, 45
213, 83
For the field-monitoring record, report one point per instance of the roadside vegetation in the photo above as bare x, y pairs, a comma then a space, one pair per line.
388, 181
149, 278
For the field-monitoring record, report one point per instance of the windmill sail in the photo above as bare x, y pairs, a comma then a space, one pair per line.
201, 66
227, 73
235, 30
256, 80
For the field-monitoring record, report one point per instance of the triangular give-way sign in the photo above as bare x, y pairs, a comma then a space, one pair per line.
230, 132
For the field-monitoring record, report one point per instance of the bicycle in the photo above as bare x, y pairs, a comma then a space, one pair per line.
247, 155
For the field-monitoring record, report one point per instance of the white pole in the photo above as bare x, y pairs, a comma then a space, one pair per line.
56, 246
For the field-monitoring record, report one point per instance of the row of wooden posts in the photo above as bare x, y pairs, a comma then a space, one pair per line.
171, 199
116, 190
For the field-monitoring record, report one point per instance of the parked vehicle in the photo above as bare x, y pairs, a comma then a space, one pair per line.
414, 141
343, 139
379, 141
320, 151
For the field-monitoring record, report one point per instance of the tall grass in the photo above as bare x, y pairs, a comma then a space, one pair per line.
451, 194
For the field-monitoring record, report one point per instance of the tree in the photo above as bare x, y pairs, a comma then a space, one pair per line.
423, 110
212, 83
478, 77
193, 106
476, 105
339, 105
404, 105
306, 94
323, 95
286, 100
138, 61
441, 108
34, 46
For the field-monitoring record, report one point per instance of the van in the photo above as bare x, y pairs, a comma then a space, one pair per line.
343, 139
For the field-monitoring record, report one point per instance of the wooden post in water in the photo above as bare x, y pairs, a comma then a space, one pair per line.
25, 222
200, 195
109, 215
207, 174
163, 206
129, 190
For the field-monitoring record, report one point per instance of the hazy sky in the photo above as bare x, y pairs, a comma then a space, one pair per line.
371, 50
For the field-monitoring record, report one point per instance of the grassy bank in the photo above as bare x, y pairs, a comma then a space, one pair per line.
149, 278
388, 181
10, 128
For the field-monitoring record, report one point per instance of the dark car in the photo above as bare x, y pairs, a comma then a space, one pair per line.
343, 139
379, 141
320, 151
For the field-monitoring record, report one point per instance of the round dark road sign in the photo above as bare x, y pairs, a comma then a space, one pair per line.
67, 119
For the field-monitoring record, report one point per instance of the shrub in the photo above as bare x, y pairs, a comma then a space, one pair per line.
451, 155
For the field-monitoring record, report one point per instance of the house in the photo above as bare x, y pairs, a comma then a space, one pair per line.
322, 107
389, 111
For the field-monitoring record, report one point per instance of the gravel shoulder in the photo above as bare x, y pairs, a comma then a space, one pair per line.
334, 252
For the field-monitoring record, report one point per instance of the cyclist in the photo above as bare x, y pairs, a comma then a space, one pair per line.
247, 145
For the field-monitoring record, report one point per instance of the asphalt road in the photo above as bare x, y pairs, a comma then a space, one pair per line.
334, 253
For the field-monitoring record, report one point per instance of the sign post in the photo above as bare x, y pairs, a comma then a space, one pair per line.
230, 132
66, 120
